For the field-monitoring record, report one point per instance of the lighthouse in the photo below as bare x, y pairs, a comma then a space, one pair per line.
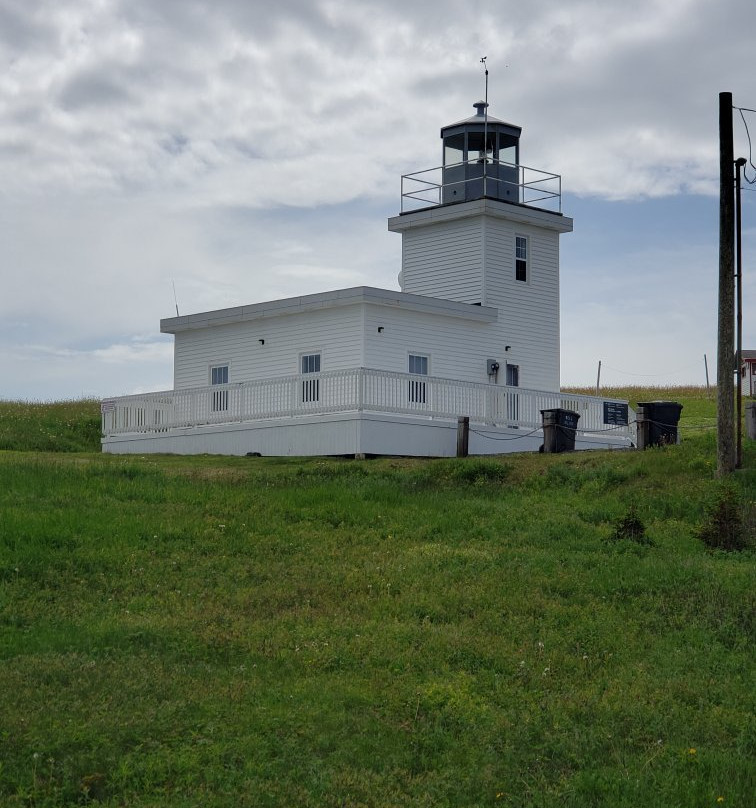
471, 338
483, 229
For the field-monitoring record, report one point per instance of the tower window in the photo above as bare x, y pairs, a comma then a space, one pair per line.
521, 258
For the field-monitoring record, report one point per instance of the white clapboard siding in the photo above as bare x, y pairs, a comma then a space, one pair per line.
466, 252
335, 333
457, 348
528, 311
444, 260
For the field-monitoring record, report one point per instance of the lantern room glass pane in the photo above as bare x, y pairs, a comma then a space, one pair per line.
508, 149
454, 149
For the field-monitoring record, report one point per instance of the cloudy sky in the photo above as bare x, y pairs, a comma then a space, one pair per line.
241, 150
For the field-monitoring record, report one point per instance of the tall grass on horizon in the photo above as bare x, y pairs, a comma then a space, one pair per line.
56, 426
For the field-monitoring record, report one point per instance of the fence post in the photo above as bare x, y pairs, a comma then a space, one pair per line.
643, 426
463, 435
559, 429
549, 426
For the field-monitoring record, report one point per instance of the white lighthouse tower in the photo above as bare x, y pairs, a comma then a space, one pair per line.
484, 229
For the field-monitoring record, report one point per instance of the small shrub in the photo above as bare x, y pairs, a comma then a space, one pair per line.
724, 525
630, 527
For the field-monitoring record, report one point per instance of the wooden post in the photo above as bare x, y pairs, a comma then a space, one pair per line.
643, 427
463, 435
549, 426
726, 313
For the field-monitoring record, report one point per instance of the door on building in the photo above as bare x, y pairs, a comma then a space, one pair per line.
513, 397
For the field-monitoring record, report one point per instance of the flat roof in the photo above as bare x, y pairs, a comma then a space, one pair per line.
329, 300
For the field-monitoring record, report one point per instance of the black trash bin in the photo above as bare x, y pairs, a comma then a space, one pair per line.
662, 418
559, 427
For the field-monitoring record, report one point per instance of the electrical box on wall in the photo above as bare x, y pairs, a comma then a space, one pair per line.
492, 367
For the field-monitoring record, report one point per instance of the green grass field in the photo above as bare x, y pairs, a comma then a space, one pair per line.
212, 631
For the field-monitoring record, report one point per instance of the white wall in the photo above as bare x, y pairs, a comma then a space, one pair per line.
444, 260
472, 260
342, 434
457, 348
529, 310
346, 337
335, 333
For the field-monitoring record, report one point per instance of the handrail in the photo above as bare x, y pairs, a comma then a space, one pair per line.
434, 188
356, 389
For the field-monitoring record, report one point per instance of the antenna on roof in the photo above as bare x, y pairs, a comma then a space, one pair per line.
485, 67
175, 299
485, 127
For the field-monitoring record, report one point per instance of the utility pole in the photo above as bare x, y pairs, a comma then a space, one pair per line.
726, 317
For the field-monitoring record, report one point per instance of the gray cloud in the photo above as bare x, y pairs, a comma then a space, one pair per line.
21, 27
251, 150
92, 88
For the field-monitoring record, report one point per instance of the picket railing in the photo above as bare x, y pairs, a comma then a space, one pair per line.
358, 389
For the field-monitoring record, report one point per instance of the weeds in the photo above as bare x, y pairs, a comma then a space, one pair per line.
68, 426
724, 524
631, 528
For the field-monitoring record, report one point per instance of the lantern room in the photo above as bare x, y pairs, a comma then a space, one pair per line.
481, 159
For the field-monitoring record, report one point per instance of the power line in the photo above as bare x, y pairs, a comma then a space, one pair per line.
741, 110
650, 375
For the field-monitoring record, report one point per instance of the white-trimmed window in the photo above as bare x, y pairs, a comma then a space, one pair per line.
310, 364
219, 376
521, 258
418, 366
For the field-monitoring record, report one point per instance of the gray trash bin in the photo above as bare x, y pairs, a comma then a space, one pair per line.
559, 427
662, 418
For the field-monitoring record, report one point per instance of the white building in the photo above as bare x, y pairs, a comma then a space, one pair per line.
748, 373
473, 332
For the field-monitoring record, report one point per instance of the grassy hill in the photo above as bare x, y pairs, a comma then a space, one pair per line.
519, 631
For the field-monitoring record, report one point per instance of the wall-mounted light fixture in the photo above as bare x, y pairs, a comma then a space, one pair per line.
380, 329
507, 347
261, 341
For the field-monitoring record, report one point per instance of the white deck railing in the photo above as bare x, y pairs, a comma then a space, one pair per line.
359, 389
